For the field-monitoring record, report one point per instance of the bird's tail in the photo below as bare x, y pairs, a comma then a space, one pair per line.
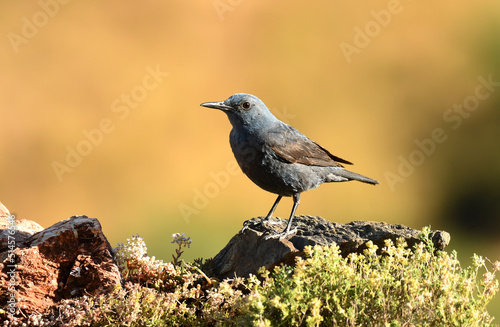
349, 175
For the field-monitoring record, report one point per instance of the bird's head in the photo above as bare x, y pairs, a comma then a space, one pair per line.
244, 110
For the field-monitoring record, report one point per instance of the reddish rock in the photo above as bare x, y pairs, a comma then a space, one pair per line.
68, 259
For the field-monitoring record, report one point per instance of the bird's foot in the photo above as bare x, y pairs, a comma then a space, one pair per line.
281, 235
258, 223
251, 223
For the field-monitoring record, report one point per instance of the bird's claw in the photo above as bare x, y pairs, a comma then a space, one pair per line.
245, 227
249, 223
262, 222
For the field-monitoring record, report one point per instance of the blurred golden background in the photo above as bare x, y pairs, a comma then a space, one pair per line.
100, 113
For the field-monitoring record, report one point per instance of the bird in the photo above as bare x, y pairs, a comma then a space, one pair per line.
276, 156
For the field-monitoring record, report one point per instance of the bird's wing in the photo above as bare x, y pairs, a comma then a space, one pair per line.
292, 146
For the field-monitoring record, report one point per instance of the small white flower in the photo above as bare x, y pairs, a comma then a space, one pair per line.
181, 239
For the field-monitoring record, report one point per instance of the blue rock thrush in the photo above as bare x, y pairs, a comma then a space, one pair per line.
276, 156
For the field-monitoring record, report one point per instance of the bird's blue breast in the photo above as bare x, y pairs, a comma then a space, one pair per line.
265, 169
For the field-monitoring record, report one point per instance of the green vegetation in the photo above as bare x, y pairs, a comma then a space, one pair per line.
400, 287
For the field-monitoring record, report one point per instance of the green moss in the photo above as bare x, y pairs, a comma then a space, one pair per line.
401, 287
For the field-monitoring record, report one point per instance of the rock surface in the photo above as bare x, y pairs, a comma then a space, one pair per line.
246, 252
24, 228
3, 211
39, 267
68, 259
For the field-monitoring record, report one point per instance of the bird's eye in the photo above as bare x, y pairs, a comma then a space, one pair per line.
246, 105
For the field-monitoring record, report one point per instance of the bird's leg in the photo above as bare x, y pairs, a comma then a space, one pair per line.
287, 231
269, 215
265, 219
296, 201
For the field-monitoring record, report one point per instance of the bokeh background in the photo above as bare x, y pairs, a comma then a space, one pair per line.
368, 80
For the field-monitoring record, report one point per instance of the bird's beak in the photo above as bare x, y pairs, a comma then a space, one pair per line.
216, 105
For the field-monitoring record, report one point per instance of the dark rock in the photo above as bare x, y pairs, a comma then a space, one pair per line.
68, 259
247, 252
